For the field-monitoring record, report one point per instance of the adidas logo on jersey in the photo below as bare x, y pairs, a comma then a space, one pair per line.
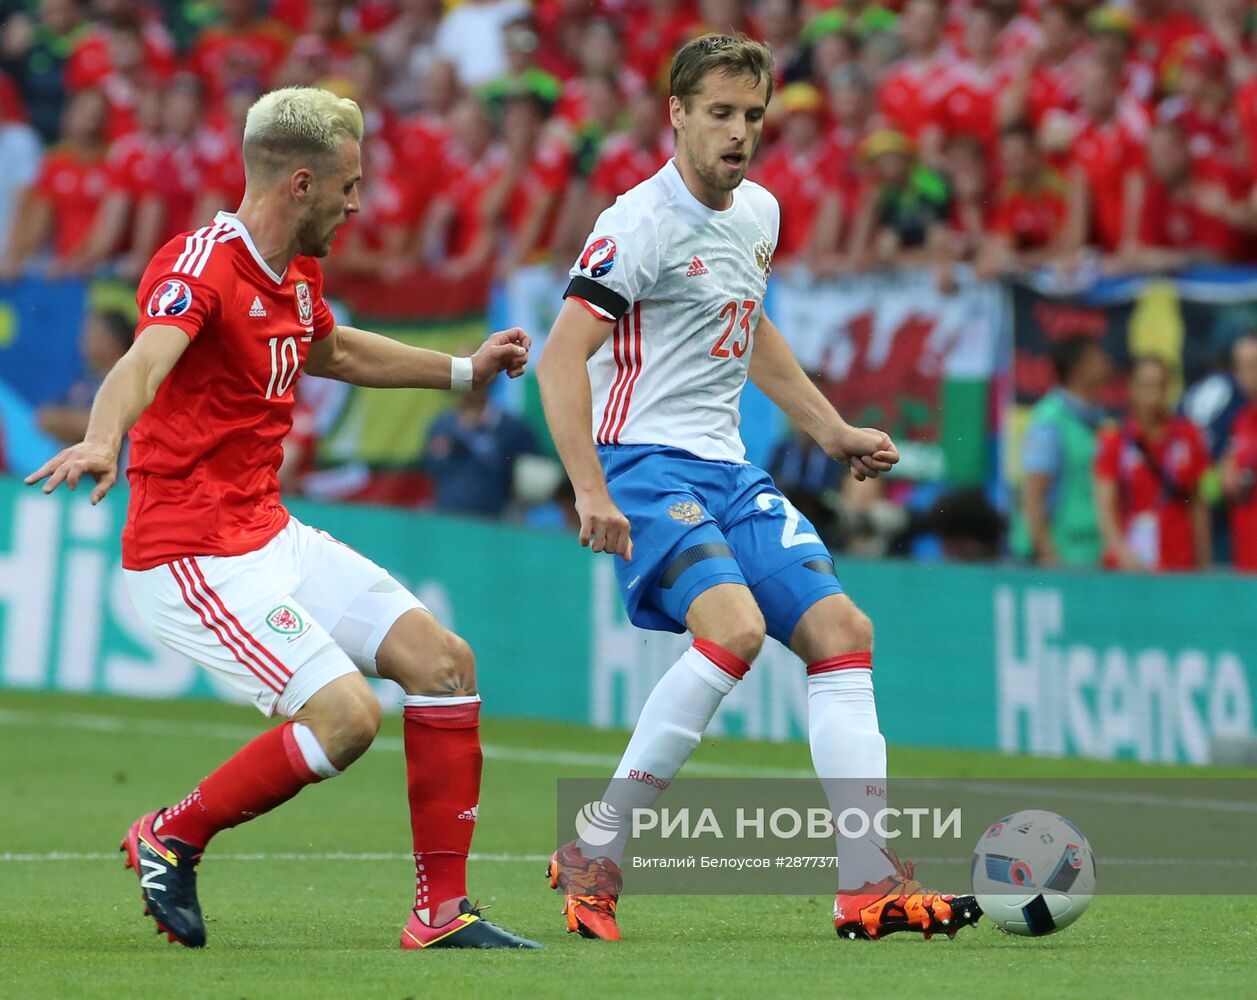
257, 309
697, 267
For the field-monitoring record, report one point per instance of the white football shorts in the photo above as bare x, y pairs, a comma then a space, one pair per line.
279, 623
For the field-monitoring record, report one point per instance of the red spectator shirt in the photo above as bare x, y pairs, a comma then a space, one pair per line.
546, 175
1054, 87
961, 101
623, 164
1170, 218
205, 454
468, 184
1108, 152
1031, 217
1182, 455
74, 185
904, 94
1161, 42
91, 62
133, 162
1246, 112
1208, 135
651, 40
179, 180
422, 144
1244, 510
251, 55
799, 183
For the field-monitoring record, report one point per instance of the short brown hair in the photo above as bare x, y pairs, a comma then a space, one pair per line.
733, 55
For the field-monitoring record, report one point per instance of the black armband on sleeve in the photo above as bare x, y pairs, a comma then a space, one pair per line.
599, 296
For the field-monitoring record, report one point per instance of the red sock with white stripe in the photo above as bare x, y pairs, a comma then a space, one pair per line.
849, 755
263, 774
668, 730
443, 765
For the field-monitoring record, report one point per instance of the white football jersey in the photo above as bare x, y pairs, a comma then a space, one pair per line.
684, 285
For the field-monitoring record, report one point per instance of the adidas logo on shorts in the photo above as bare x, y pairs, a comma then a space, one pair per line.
257, 309
697, 267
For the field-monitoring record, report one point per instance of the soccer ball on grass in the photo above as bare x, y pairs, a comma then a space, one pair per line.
1033, 873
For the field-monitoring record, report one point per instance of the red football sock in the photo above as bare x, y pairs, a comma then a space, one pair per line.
443, 763
265, 773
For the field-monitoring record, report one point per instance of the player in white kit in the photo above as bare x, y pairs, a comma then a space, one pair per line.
663, 323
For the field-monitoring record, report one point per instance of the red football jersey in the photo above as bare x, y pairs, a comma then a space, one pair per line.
1031, 217
1182, 457
623, 164
800, 183
74, 185
1244, 509
205, 455
903, 95
961, 101
1108, 152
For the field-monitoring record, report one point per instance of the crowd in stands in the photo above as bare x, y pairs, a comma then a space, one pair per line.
1153, 491
1004, 133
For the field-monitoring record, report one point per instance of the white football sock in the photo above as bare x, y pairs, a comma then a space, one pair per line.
847, 747
668, 730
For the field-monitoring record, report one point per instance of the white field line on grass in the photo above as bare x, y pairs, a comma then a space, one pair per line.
526, 755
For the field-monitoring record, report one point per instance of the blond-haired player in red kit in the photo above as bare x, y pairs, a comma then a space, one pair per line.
229, 316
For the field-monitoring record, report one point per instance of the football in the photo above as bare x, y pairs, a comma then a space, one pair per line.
1033, 873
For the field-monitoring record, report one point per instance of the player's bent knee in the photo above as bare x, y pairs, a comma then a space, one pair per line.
451, 667
446, 667
857, 630
344, 717
744, 638
358, 725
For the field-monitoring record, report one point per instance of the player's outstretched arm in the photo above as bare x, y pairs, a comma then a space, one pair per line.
369, 359
774, 368
568, 400
126, 392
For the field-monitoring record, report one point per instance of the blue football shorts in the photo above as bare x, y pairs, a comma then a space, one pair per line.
698, 523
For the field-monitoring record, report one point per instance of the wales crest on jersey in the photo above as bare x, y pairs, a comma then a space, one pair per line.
305, 303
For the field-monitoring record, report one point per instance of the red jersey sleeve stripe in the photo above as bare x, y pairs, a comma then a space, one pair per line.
609, 409
189, 244
201, 256
626, 360
637, 370
284, 672
194, 602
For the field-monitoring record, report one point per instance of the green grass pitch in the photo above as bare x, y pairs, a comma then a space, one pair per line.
308, 902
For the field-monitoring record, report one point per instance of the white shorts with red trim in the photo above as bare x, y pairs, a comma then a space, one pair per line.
277, 624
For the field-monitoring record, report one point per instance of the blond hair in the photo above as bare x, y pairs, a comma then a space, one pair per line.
734, 55
297, 123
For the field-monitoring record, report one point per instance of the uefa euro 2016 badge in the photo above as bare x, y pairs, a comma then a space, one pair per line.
599, 258
686, 511
171, 298
764, 257
305, 304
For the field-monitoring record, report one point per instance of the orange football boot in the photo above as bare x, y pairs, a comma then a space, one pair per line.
591, 888
899, 903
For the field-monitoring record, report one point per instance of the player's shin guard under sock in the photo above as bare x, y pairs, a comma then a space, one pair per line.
264, 773
849, 755
443, 764
669, 728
